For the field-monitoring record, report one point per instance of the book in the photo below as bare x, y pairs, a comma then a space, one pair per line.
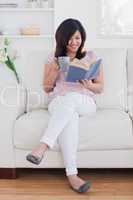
81, 72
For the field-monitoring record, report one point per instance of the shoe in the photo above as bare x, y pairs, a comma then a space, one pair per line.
83, 188
34, 159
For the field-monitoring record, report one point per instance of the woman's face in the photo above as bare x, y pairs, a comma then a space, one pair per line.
74, 42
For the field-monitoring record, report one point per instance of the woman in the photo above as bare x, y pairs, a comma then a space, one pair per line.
67, 100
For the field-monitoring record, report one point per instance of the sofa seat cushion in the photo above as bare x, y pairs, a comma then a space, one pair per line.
106, 130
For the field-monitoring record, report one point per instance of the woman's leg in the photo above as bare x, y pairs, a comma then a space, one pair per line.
68, 142
61, 110
68, 139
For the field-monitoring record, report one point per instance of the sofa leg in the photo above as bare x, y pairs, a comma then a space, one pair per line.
8, 173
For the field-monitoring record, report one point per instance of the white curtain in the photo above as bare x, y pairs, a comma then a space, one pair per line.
116, 17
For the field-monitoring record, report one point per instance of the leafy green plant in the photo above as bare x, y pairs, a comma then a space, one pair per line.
7, 59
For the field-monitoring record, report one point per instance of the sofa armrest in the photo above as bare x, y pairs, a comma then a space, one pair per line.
130, 81
37, 98
130, 102
12, 105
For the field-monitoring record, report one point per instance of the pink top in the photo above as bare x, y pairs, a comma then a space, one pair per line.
62, 87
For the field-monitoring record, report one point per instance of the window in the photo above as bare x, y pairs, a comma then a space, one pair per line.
116, 18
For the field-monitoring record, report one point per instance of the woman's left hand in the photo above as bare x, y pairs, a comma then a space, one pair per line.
87, 83
96, 87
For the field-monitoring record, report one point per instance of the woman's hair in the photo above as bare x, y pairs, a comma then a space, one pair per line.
63, 34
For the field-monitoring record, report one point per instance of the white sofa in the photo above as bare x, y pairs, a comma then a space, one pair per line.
106, 139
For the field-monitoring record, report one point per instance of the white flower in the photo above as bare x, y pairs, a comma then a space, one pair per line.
6, 42
13, 54
3, 56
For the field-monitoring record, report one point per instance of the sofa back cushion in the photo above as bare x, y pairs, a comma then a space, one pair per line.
31, 71
115, 83
115, 78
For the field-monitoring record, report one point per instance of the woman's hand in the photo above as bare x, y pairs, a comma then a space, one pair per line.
95, 87
88, 84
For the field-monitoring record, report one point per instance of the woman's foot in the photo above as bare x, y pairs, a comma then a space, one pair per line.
37, 154
40, 150
78, 184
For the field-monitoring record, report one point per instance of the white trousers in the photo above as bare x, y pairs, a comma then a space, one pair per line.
63, 125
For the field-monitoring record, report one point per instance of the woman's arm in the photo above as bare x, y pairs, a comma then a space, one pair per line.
51, 72
95, 85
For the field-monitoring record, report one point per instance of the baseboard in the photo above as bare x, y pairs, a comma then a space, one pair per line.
8, 173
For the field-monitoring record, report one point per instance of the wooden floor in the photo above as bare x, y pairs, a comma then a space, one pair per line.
49, 184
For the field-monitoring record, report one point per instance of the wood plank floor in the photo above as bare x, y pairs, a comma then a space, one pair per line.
51, 184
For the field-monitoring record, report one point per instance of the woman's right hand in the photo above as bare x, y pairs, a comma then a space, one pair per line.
50, 75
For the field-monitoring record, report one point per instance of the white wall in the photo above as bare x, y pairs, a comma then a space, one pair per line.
86, 12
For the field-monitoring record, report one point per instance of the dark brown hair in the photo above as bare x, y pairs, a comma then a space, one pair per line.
63, 34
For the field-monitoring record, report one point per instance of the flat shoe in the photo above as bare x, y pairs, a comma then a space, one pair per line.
34, 159
83, 188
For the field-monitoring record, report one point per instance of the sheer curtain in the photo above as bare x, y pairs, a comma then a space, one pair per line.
116, 17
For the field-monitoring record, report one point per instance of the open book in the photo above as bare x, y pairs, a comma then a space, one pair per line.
80, 71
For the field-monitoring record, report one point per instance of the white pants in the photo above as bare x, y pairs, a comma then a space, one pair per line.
64, 125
